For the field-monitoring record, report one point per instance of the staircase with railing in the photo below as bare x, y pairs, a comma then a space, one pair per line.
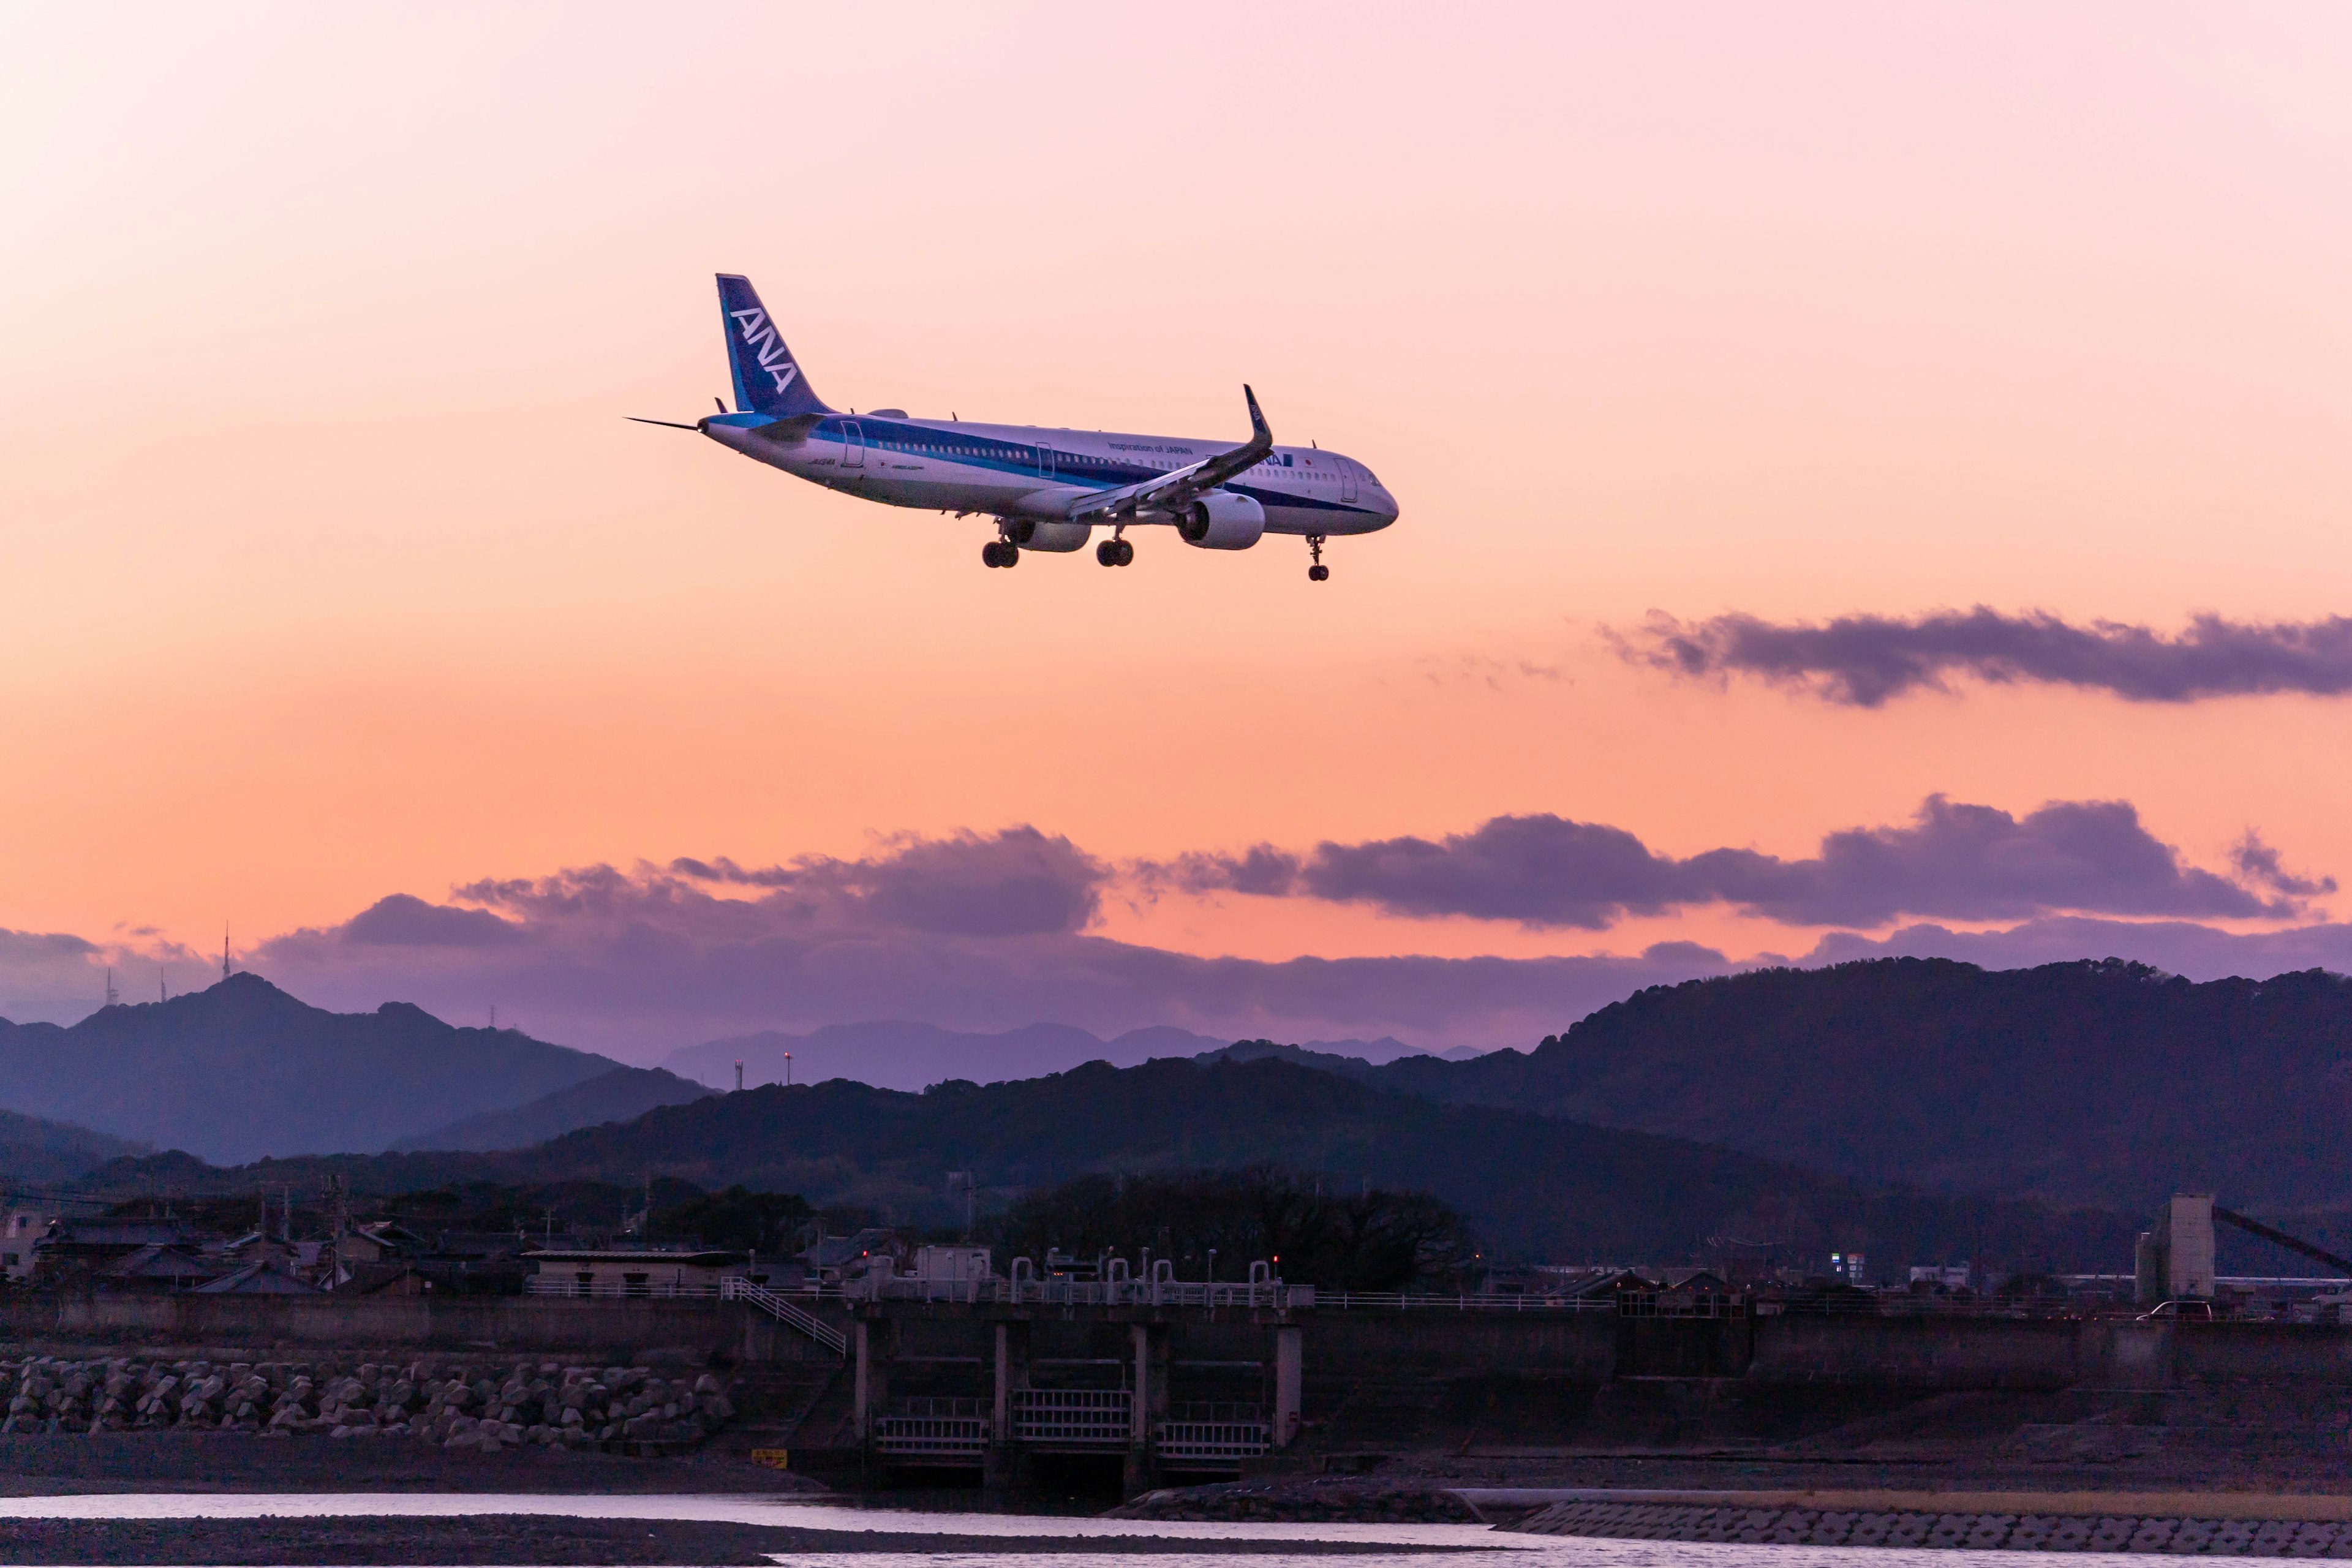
785, 1311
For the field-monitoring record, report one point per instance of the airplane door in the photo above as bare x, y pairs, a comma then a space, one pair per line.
853, 445
1347, 479
1044, 462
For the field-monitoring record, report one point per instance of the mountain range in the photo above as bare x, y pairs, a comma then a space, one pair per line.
897, 1055
1923, 1105
241, 1070
1531, 1185
2101, 1082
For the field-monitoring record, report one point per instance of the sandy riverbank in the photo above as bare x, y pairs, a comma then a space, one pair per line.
541, 1539
39, 1465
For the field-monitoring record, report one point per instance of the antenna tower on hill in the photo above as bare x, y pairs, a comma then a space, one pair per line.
112, 995
225, 970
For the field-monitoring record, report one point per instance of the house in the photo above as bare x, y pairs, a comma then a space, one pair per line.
630, 1271
21, 1230
157, 1268
394, 1278
257, 1279
477, 1262
384, 1241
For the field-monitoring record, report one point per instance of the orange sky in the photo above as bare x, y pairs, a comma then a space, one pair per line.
332, 571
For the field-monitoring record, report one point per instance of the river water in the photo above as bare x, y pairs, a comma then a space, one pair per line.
1439, 1545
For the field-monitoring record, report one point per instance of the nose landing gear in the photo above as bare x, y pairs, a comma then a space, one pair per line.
1114, 552
1318, 572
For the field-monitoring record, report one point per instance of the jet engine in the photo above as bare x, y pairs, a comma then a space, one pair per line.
1060, 538
1223, 521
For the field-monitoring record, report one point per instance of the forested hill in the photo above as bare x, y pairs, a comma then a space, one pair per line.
2108, 1084
1529, 1185
38, 1151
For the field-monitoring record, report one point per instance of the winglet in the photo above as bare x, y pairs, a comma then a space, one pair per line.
1259, 430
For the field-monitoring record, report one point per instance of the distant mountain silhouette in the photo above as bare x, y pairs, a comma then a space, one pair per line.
897, 1055
1533, 1186
35, 1151
622, 1095
2100, 1083
242, 1070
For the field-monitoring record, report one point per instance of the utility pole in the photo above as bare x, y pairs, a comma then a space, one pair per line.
739, 1074
788, 1069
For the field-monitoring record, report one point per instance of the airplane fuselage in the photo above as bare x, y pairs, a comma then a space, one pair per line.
1042, 473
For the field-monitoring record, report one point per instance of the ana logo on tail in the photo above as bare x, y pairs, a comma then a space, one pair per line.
761, 340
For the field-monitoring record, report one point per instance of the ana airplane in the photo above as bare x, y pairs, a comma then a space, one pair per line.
1046, 488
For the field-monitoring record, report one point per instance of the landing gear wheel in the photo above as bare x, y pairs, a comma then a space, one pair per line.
1107, 553
1000, 552
1318, 572
1125, 552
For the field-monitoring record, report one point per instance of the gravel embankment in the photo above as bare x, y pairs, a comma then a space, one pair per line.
477, 1404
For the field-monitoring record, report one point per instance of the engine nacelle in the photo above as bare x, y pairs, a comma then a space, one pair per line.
1223, 521
1060, 538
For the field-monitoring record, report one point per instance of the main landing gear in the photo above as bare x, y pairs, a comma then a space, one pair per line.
1000, 552
1318, 572
1114, 552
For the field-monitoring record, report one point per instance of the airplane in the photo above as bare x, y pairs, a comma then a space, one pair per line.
1046, 488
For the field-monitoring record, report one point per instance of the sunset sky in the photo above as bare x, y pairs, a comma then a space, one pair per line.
333, 574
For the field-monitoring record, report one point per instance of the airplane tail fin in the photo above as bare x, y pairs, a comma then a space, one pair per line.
767, 381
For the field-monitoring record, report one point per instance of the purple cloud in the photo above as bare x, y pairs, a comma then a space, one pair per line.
1863, 660
1950, 861
640, 962
1016, 882
988, 933
404, 920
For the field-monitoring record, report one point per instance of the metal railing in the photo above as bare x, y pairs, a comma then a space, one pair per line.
995, 1289
618, 1290
777, 1306
1095, 1418
1213, 1431
941, 1428
1392, 1301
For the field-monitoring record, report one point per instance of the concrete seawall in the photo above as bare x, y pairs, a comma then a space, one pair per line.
699, 1328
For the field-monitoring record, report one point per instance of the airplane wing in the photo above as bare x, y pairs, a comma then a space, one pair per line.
1174, 491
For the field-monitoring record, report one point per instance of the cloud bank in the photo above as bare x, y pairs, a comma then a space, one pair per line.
976, 932
1951, 861
1862, 662
992, 932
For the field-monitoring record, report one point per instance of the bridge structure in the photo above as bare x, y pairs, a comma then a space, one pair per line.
1198, 1386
